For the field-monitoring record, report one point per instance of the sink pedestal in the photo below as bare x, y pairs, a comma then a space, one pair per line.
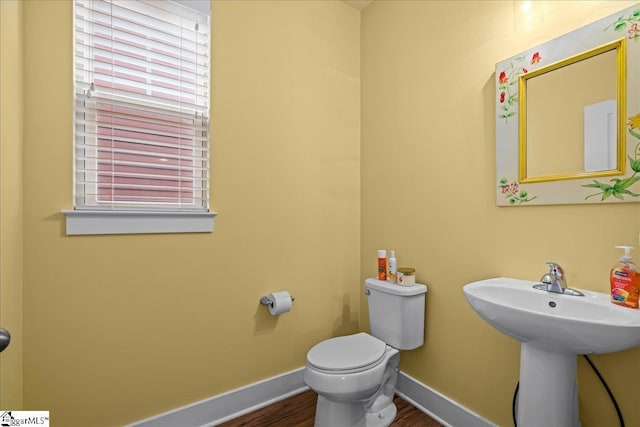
548, 394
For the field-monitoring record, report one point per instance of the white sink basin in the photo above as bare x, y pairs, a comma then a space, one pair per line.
552, 328
555, 322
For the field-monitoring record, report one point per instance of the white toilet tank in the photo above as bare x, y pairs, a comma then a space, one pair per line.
396, 313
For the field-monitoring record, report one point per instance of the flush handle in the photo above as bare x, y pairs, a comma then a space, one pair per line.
367, 292
5, 338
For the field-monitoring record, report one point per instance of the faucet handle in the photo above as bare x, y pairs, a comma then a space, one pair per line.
550, 277
555, 268
552, 265
555, 271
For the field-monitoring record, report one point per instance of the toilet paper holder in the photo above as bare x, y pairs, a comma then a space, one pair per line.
265, 300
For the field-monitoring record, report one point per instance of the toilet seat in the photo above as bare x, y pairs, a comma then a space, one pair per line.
349, 354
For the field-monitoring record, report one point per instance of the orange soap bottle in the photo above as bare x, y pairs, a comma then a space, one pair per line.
625, 281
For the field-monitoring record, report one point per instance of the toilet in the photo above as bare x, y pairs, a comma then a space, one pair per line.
355, 376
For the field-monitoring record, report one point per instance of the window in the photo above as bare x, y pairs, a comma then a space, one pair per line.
141, 107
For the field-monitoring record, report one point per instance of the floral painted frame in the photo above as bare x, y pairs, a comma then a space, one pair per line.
618, 189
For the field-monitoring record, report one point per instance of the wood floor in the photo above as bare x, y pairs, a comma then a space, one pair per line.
299, 411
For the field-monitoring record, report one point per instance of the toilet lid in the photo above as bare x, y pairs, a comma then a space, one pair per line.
347, 353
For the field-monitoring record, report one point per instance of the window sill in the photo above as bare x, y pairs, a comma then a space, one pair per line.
81, 222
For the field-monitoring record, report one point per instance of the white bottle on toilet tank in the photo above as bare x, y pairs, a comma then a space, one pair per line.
393, 267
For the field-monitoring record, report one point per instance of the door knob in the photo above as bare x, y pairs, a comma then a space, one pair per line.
5, 338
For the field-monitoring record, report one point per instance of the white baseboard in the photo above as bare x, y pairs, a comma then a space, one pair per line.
224, 407
436, 405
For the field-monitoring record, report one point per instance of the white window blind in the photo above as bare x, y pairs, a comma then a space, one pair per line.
141, 106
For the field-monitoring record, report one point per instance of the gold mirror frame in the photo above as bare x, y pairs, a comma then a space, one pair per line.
621, 83
620, 183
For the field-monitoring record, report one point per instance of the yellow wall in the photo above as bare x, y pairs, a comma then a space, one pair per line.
11, 117
119, 328
428, 191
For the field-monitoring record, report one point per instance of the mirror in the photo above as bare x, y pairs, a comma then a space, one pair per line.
568, 117
586, 122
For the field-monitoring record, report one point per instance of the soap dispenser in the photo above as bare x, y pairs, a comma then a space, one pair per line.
625, 281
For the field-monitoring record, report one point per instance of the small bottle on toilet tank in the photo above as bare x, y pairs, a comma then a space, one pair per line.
392, 265
382, 264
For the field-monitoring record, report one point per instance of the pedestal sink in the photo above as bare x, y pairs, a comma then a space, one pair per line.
553, 329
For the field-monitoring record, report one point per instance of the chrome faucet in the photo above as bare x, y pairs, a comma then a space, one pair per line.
555, 281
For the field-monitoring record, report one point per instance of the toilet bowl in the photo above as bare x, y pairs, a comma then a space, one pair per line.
355, 375
355, 378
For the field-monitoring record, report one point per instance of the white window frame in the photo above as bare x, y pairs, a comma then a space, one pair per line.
123, 217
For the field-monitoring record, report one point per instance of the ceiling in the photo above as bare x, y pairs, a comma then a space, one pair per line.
358, 4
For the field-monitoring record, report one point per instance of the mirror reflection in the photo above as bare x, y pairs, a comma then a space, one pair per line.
572, 117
